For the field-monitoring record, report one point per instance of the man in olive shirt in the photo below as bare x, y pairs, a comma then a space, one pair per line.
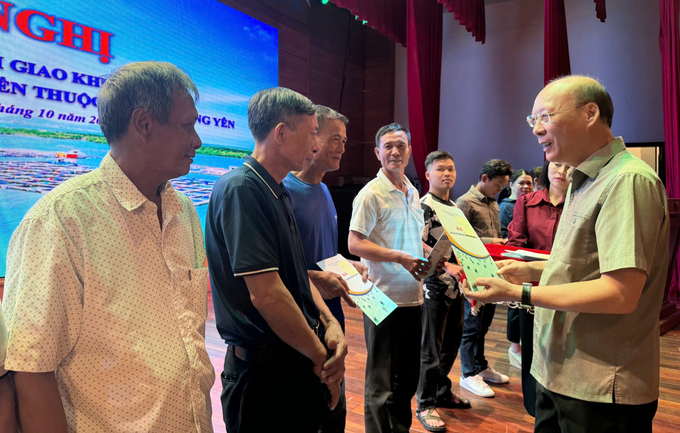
596, 349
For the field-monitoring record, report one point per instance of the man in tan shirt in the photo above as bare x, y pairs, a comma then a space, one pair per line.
106, 289
596, 345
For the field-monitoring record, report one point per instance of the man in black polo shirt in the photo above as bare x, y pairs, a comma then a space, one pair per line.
266, 309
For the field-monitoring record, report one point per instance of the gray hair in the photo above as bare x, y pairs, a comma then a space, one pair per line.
324, 113
388, 129
269, 107
147, 85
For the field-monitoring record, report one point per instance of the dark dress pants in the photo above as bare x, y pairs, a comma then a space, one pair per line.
392, 367
513, 330
442, 331
526, 327
282, 394
472, 360
556, 413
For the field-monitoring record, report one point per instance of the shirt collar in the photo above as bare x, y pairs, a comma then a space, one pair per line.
264, 176
481, 197
594, 163
387, 183
127, 193
534, 199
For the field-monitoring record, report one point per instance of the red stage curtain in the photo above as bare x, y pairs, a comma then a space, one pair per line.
556, 43
469, 13
600, 10
424, 54
669, 42
386, 16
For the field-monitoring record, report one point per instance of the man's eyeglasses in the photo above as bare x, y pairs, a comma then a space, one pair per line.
544, 116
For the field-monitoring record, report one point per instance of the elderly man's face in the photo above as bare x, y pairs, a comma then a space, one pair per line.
300, 143
331, 138
394, 151
564, 137
173, 146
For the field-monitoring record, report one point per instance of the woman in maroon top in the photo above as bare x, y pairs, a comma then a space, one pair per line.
534, 224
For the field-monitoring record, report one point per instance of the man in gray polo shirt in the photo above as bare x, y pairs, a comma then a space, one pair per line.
596, 347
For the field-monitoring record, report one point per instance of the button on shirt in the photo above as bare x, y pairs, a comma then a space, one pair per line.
482, 213
251, 229
391, 219
97, 291
618, 219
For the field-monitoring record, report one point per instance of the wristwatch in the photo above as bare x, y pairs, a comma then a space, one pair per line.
526, 295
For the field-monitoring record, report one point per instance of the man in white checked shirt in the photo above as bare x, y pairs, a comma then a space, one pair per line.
385, 231
105, 295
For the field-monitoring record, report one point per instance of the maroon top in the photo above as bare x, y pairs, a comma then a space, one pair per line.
534, 221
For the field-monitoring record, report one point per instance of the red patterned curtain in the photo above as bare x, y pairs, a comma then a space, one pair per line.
600, 10
386, 16
556, 43
424, 54
470, 13
669, 43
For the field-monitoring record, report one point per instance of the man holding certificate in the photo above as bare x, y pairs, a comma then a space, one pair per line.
318, 222
385, 231
596, 351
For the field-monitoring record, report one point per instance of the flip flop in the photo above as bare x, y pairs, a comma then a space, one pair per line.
450, 403
424, 418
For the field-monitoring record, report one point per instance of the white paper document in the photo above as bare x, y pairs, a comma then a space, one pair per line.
369, 298
525, 255
468, 248
442, 246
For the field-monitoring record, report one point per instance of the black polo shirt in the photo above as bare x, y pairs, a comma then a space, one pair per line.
250, 228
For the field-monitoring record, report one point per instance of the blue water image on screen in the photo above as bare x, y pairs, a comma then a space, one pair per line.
55, 55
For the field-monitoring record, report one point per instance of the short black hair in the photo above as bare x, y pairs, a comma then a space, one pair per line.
388, 129
494, 168
437, 155
269, 107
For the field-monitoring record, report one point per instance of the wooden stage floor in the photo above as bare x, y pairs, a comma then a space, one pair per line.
503, 413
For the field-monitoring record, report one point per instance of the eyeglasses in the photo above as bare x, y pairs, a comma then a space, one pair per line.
544, 116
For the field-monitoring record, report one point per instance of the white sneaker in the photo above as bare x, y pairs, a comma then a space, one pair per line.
515, 358
475, 384
492, 376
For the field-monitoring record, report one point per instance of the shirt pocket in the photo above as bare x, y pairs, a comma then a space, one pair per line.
418, 215
192, 288
577, 243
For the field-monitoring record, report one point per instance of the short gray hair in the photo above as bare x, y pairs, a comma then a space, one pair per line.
269, 107
388, 129
147, 85
324, 113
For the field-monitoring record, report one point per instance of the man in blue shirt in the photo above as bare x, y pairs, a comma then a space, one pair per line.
318, 222
265, 307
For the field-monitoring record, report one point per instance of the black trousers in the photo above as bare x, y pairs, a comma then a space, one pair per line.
513, 331
392, 367
442, 331
472, 360
526, 327
556, 413
276, 395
